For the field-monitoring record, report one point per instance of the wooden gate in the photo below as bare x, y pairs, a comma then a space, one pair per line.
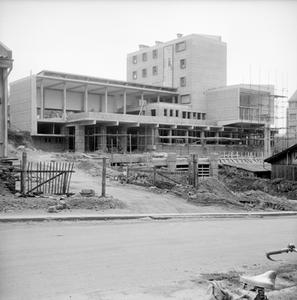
46, 177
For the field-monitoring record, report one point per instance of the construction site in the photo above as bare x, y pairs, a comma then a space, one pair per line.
166, 124
154, 186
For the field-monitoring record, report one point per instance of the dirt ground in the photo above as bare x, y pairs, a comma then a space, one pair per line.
224, 195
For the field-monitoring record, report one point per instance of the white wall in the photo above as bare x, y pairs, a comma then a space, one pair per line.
222, 105
20, 100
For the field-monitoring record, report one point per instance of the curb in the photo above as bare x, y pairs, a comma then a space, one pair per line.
141, 216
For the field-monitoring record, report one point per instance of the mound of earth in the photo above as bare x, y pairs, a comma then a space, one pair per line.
13, 203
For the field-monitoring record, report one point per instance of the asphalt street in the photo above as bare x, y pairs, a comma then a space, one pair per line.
83, 260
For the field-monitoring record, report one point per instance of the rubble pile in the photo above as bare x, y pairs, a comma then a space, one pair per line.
276, 187
7, 179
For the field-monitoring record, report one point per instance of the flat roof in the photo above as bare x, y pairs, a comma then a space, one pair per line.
104, 81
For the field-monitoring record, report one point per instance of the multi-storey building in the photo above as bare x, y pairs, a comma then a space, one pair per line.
180, 99
192, 64
292, 119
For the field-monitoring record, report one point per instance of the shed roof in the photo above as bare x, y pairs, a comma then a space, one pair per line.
280, 155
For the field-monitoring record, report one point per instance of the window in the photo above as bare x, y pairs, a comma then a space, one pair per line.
144, 56
182, 81
155, 70
180, 46
134, 75
165, 112
153, 112
177, 113
189, 115
171, 112
155, 53
144, 72
292, 116
194, 115
184, 114
184, 99
199, 116
203, 116
182, 63
134, 59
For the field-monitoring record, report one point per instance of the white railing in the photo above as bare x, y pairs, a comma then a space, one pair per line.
127, 118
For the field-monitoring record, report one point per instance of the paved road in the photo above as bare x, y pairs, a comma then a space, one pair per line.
88, 260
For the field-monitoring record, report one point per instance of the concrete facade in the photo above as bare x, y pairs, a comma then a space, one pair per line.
150, 112
192, 64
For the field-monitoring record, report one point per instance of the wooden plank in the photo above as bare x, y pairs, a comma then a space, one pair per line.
69, 176
48, 180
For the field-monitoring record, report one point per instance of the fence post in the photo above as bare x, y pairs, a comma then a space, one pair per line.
194, 170
23, 172
103, 192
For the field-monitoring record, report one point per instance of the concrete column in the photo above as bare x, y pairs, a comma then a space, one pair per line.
103, 138
187, 137
217, 137
79, 138
155, 135
123, 138
3, 112
41, 101
202, 136
171, 161
125, 102
106, 99
170, 134
64, 102
86, 99
267, 147
158, 99
214, 165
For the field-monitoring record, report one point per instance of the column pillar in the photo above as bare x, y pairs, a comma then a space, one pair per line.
123, 138
267, 147
41, 101
103, 138
79, 138
158, 99
202, 136
106, 100
217, 137
170, 134
64, 102
187, 137
125, 102
86, 99
155, 135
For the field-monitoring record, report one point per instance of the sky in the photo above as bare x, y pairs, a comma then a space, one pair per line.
93, 37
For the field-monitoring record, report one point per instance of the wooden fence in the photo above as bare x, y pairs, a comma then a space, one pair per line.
288, 172
45, 177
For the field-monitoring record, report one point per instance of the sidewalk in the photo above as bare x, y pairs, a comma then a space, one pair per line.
153, 216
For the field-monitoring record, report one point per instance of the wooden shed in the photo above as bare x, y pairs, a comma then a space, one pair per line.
284, 164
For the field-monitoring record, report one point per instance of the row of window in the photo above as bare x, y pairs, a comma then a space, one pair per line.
144, 56
181, 46
293, 104
293, 117
185, 114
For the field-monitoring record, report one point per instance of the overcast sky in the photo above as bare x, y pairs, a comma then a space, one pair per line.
93, 37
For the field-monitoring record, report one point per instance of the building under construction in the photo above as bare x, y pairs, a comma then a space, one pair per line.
176, 99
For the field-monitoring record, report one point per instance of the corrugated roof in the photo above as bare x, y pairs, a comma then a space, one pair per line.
279, 155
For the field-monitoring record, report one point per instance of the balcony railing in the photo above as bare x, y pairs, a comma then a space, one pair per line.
127, 118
